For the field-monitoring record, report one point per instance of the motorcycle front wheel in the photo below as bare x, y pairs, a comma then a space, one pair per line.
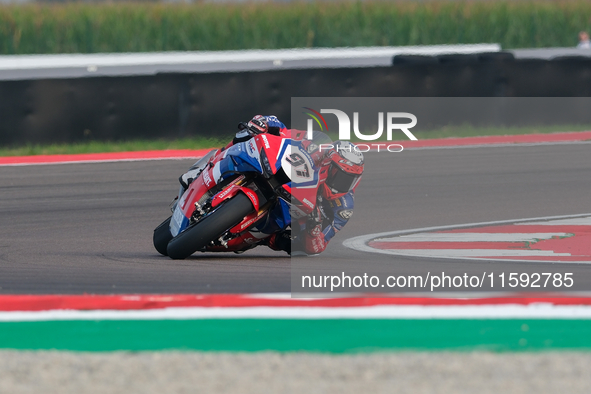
210, 228
162, 237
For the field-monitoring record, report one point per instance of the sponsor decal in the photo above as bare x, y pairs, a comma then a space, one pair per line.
206, 178
246, 224
251, 221
308, 203
227, 191
266, 141
252, 197
251, 148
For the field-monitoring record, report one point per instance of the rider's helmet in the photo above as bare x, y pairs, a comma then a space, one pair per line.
258, 124
345, 169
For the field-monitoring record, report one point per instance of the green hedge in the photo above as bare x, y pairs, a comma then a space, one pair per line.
133, 27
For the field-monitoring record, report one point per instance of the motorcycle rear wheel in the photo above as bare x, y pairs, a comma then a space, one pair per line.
162, 237
210, 228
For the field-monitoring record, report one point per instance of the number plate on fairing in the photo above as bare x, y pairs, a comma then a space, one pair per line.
298, 165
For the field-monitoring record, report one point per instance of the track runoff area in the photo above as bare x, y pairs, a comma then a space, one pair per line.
277, 322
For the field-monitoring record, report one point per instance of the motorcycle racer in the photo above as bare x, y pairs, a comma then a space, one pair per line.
335, 198
334, 205
257, 125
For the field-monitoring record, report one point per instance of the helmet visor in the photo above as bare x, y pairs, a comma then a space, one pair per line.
340, 181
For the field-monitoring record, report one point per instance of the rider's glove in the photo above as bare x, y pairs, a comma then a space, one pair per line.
274, 125
314, 222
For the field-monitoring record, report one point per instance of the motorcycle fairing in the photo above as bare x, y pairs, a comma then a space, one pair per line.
284, 151
239, 158
279, 218
304, 179
242, 157
178, 222
231, 191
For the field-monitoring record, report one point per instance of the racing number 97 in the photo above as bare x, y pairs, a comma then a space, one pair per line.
299, 165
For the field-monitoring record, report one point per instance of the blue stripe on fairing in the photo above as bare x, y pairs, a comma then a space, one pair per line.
284, 144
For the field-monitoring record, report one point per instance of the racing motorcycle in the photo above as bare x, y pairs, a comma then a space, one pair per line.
241, 195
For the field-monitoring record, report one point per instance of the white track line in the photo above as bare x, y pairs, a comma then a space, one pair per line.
500, 145
477, 253
472, 237
361, 243
532, 311
562, 222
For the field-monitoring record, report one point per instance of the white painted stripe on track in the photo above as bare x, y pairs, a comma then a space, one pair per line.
360, 243
472, 237
562, 222
532, 311
501, 145
483, 253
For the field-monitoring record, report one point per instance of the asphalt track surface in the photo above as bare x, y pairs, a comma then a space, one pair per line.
87, 228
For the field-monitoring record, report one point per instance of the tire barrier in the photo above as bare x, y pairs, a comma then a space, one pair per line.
173, 105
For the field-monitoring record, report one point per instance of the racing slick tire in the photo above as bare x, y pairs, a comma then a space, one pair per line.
210, 228
162, 237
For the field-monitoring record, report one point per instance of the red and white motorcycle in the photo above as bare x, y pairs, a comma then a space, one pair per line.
241, 195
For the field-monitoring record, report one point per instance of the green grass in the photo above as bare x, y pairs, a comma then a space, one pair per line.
106, 146
73, 27
206, 143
